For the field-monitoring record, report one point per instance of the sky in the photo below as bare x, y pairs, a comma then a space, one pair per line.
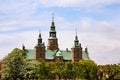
97, 23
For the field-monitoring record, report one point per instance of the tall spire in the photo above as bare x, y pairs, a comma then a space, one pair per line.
52, 33
52, 40
76, 41
76, 37
52, 25
52, 17
40, 34
39, 38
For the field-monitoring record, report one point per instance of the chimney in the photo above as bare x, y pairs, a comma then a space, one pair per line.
67, 49
23, 47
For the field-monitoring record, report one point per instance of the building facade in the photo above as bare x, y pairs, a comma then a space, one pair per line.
52, 52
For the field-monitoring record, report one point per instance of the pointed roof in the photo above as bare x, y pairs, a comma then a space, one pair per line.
76, 42
39, 38
52, 17
40, 34
76, 38
52, 25
59, 54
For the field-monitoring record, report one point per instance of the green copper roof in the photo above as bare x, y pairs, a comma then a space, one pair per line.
85, 56
66, 55
50, 54
59, 53
30, 53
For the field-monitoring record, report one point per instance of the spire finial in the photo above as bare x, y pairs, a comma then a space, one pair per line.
76, 33
52, 17
39, 31
76, 30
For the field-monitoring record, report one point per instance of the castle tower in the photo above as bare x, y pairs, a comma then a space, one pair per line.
52, 40
76, 50
39, 49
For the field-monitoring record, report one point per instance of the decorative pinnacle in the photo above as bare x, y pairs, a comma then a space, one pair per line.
39, 33
76, 33
52, 17
76, 30
39, 30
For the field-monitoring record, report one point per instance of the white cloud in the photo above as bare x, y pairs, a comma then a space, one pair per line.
77, 3
28, 6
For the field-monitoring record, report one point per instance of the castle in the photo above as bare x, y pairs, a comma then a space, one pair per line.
51, 52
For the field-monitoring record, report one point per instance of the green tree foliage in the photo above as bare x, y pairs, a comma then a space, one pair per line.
56, 69
90, 69
30, 69
109, 71
68, 70
13, 64
43, 71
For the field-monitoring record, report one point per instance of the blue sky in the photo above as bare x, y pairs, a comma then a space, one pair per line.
97, 23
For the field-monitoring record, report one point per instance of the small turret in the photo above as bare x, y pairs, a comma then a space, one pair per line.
39, 40
39, 49
76, 50
76, 42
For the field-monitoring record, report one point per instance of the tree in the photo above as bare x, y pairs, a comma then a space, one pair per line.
90, 69
56, 69
111, 70
30, 69
43, 71
13, 64
68, 70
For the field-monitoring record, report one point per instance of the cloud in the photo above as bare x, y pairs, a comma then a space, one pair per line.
29, 6
17, 7
77, 3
